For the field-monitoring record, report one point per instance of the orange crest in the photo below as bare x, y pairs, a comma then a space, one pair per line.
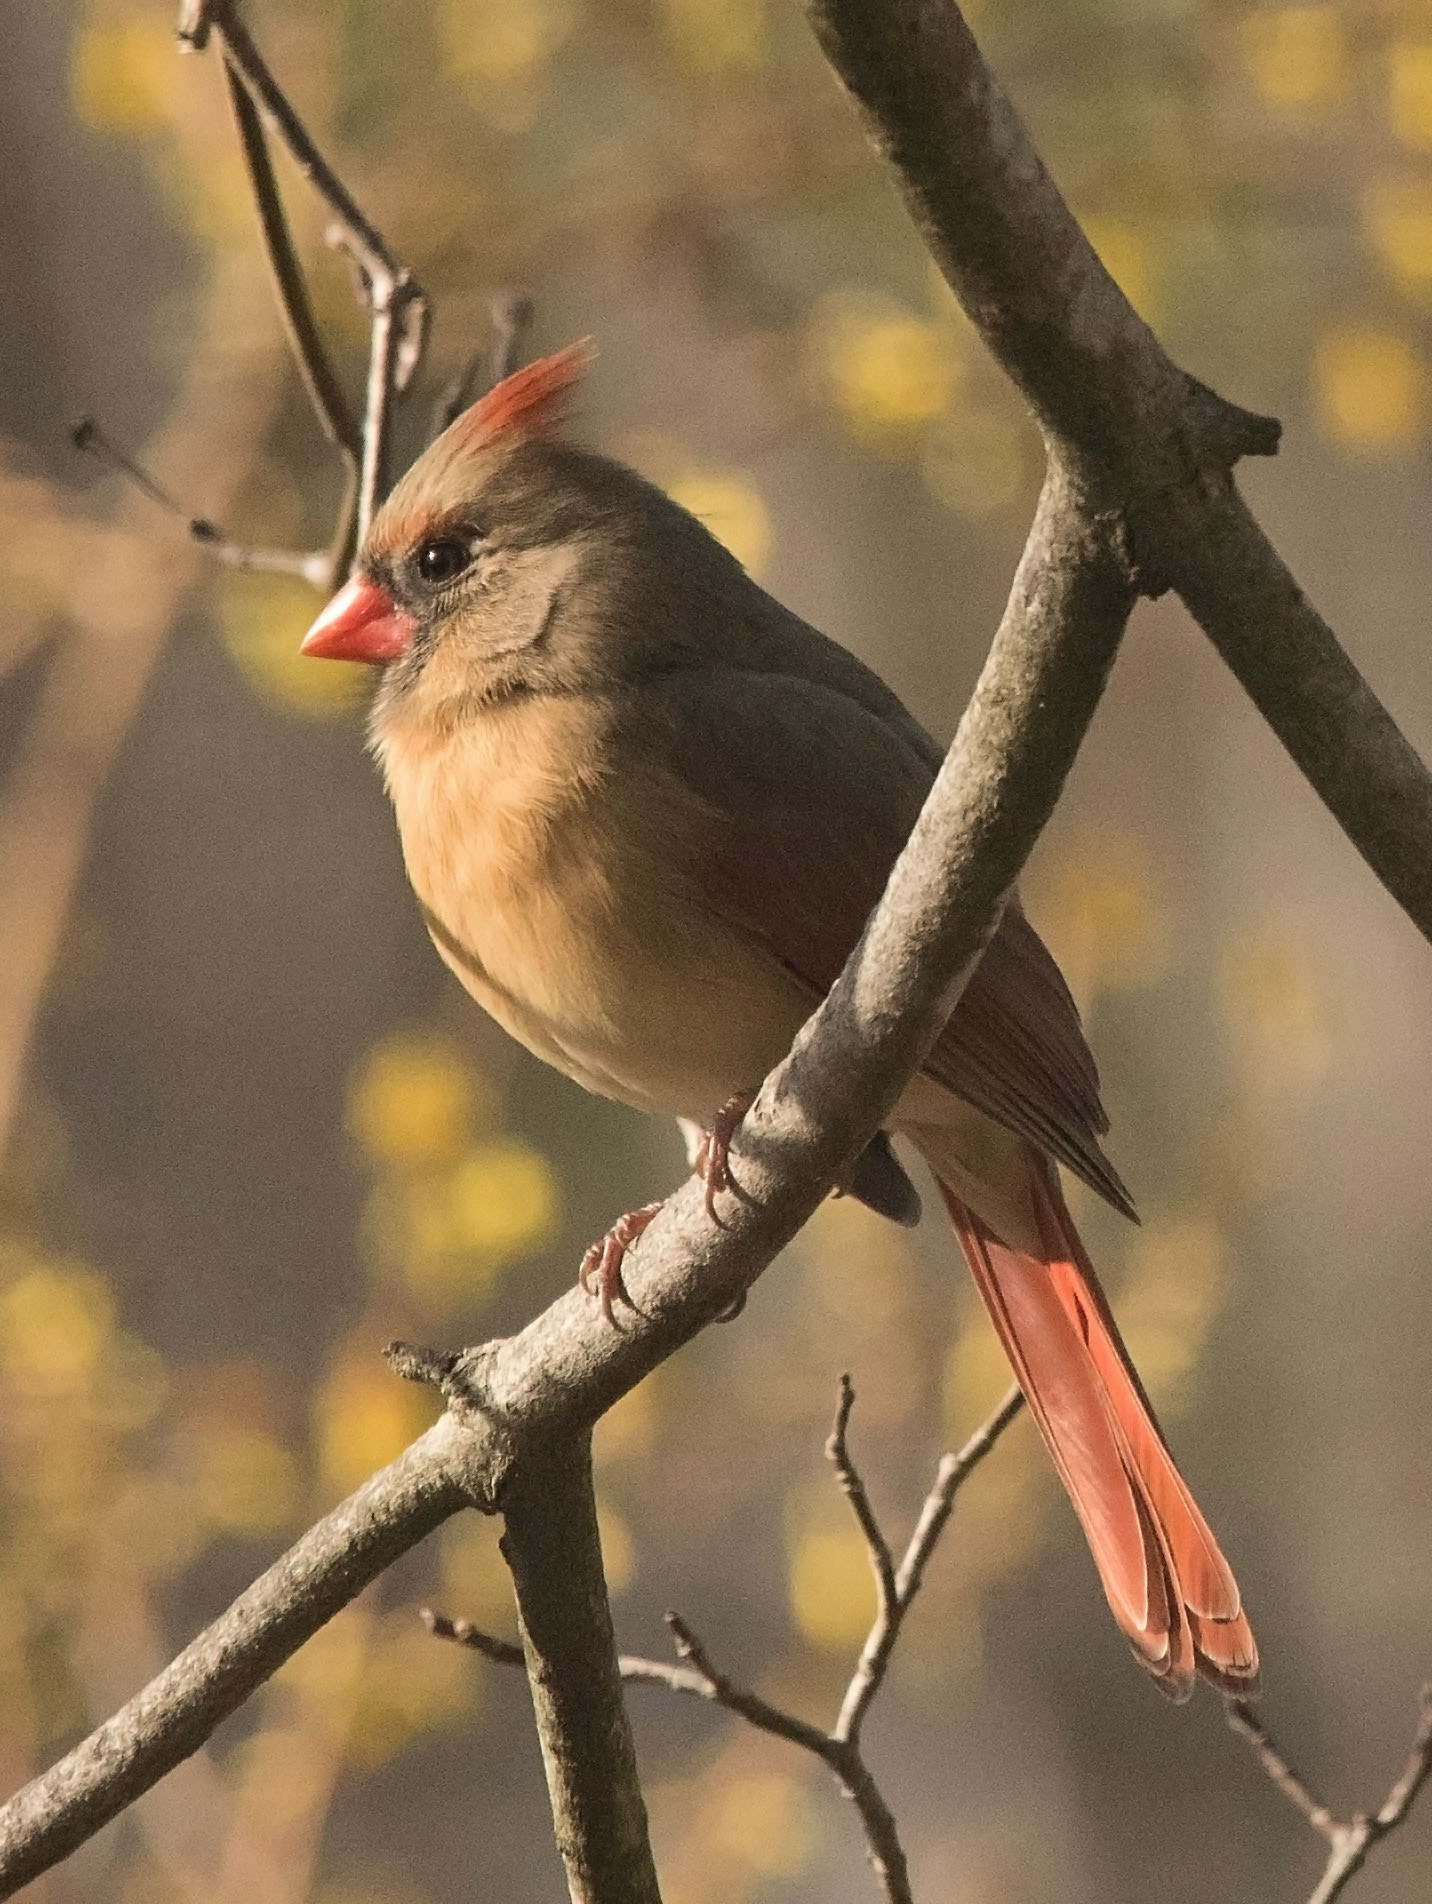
530, 402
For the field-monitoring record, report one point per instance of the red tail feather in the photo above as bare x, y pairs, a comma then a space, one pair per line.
1170, 1588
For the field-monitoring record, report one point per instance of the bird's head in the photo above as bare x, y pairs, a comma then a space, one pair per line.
508, 560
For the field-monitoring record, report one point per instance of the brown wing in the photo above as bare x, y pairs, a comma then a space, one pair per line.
809, 794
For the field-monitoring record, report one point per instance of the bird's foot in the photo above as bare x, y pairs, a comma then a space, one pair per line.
711, 1161
601, 1271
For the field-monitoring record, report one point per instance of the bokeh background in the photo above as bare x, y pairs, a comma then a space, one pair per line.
251, 1129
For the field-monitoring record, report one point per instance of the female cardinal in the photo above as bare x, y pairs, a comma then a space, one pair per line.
646, 811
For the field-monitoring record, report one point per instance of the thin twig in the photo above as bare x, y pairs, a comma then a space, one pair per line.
364, 239
320, 380
511, 317
634, 1669
378, 409
463, 1633
91, 439
882, 1563
882, 1837
315, 367
750, 1706
88, 436
1245, 1721
839, 1749
1350, 1841
397, 304
954, 1470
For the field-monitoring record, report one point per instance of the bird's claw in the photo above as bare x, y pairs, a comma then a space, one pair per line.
712, 1160
601, 1272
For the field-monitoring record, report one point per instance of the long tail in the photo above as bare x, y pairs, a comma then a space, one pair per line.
1170, 1588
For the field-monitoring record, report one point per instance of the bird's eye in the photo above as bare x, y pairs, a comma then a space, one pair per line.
443, 558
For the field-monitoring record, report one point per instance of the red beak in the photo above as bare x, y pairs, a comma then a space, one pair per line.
361, 623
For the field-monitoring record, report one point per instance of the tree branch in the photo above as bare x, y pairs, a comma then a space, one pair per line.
875, 1656
397, 303
320, 380
1292, 667
1031, 706
1136, 497
882, 1564
553, 1549
1153, 441
839, 1749
180, 1708
1349, 1842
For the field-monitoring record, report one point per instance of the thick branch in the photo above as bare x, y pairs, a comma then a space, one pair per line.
554, 1551
1018, 737
839, 1749
1154, 442
1298, 676
1011, 249
176, 1712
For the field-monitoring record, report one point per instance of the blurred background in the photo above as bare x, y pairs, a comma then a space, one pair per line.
251, 1129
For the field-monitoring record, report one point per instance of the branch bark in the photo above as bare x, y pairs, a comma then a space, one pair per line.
1156, 442
1137, 497
839, 1749
511, 1399
179, 1709
554, 1551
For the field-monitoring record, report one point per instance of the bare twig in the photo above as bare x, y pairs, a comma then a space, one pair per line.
635, 1670
839, 1749
463, 1633
954, 1470
1246, 1721
716, 1686
397, 304
363, 239
378, 407
88, 436
882, 1563
882, 1837
91, 439
315, 367
434, 1367
325, 393
1350, 1841
511, 317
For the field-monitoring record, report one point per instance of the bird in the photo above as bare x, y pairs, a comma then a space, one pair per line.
646, 810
